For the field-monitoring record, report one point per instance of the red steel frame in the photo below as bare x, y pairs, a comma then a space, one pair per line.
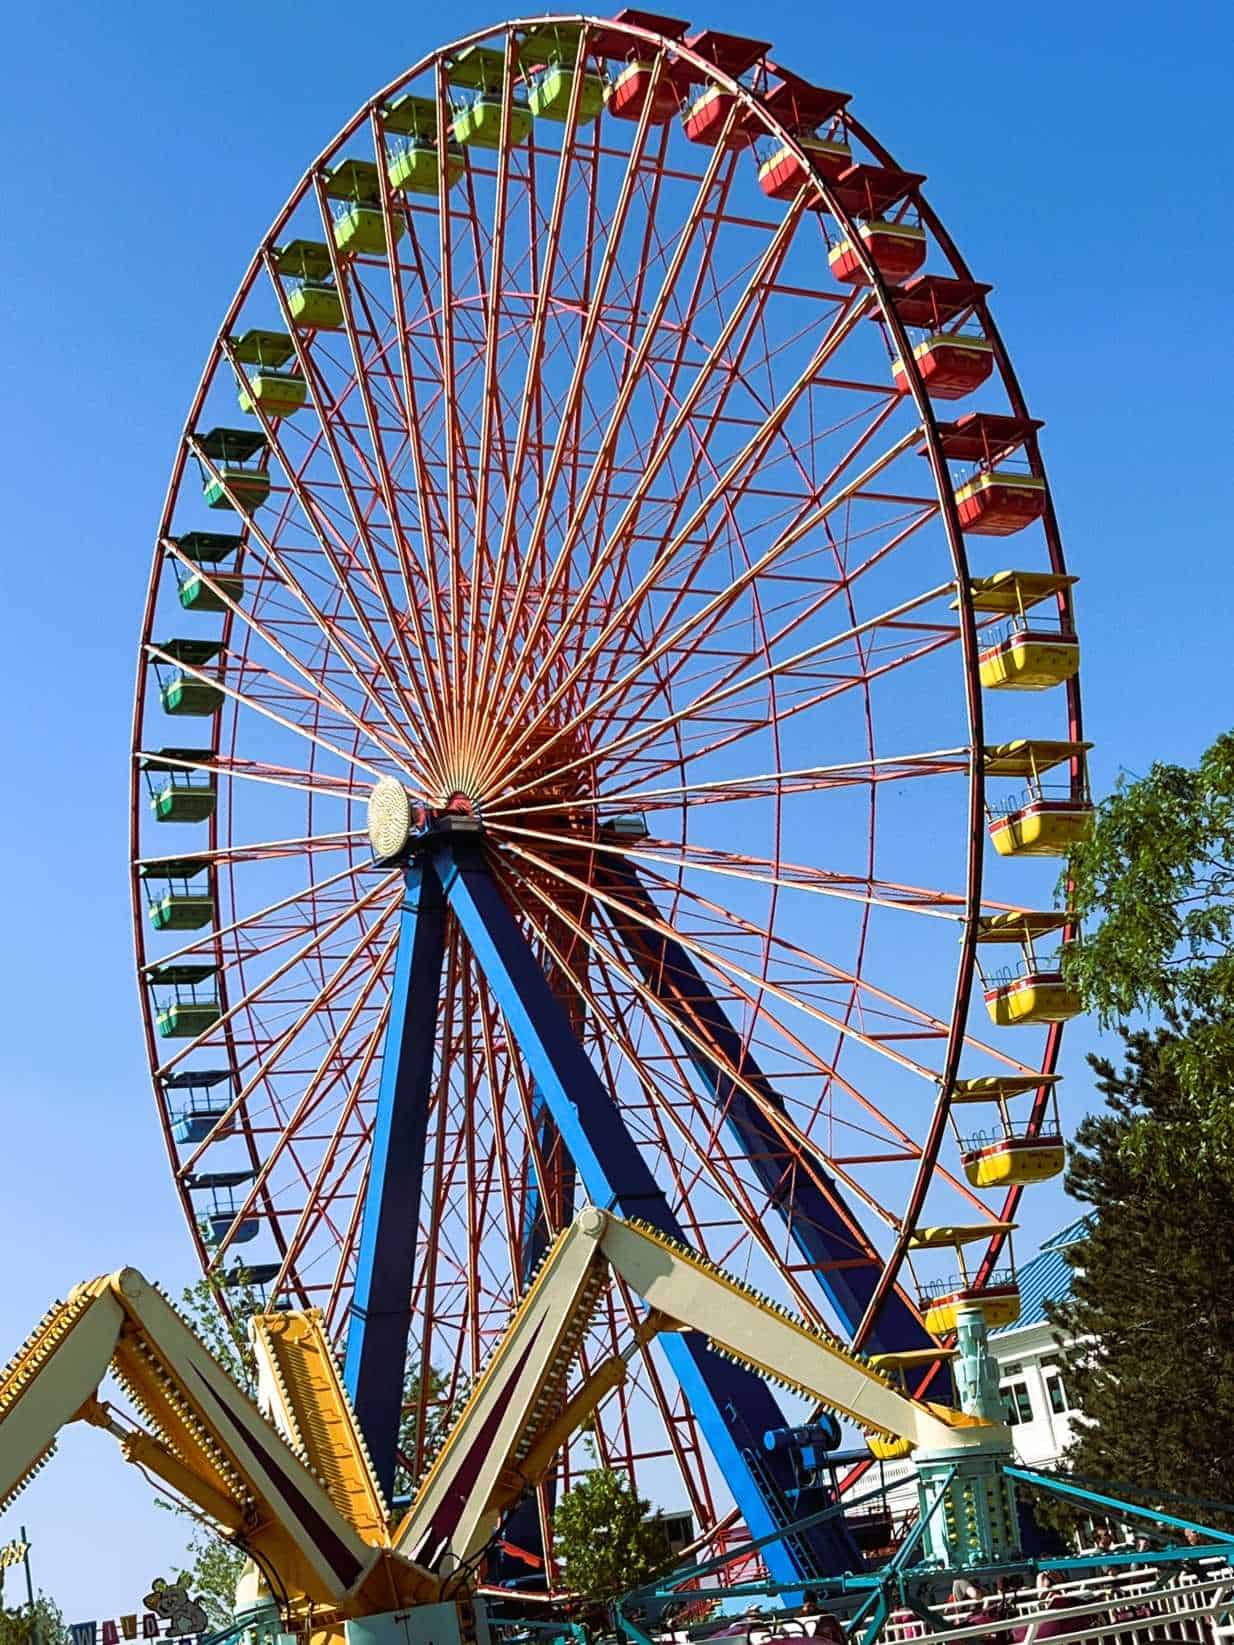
363, 638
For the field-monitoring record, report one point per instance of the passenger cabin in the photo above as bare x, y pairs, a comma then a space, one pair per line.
712, 115
1041, 819
1000, 497
359, 221
269, 388
996, 1292
548, 55
207, 548
229, 460
219, 1218
896, 248
202, 1113
1033, 990
951, 364
183, 689
630, 88
414, 164
177, 904
1008, 1151
180, 791
481, 72
804, 110
1026, 653
313, 300
192, 1006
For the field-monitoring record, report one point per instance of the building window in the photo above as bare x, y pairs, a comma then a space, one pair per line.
1016, 1403
1056, 1392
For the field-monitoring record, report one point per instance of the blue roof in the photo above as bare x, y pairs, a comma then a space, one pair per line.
1047, 1277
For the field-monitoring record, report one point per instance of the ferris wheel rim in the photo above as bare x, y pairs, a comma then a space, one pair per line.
219, 356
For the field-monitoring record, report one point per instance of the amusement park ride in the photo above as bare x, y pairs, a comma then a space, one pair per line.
559, 989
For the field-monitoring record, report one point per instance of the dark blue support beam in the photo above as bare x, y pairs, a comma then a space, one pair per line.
821, 1225
732, 1406
377, 1332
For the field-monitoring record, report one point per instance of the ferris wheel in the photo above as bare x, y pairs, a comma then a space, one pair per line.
592, 743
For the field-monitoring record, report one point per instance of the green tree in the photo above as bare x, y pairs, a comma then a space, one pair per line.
1155, 884
603, 1540
1153, 1366
18, 1626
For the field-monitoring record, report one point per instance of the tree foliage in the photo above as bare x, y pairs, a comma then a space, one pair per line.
19, 1626
603, 1540
1155, 884
1153, 1365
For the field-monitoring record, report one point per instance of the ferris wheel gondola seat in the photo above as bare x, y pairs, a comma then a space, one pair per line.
360, 230
1000, 1304
277, 393
896, 249
478, 124
627, 93
242, 489
1039, 996
416, 168
315, 305
195, 1123
951, 365
185, 694
179, 802
217, 1224
1014, 1161
181, 911
1031, 659
548, 96
705, 116
782, 174
186, 1019
999, 502
197, 595
1042, 828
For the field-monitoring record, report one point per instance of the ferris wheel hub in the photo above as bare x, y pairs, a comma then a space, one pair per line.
398, 822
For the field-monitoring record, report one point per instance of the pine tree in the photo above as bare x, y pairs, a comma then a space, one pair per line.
1153, 1365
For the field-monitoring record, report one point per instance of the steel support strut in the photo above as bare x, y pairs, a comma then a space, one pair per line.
822, 1227
377, 1333
732, 1406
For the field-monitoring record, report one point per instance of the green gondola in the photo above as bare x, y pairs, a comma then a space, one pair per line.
197, 595
181, 911
313, 301
360, 227
180, 792
277, 393
416, 168
548, 96
232, 482
192, 1011
478, 124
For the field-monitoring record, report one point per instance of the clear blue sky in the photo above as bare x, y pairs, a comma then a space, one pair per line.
1081, 154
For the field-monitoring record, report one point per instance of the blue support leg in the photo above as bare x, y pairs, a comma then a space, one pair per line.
732, 1406
821, 1225
376, 1357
